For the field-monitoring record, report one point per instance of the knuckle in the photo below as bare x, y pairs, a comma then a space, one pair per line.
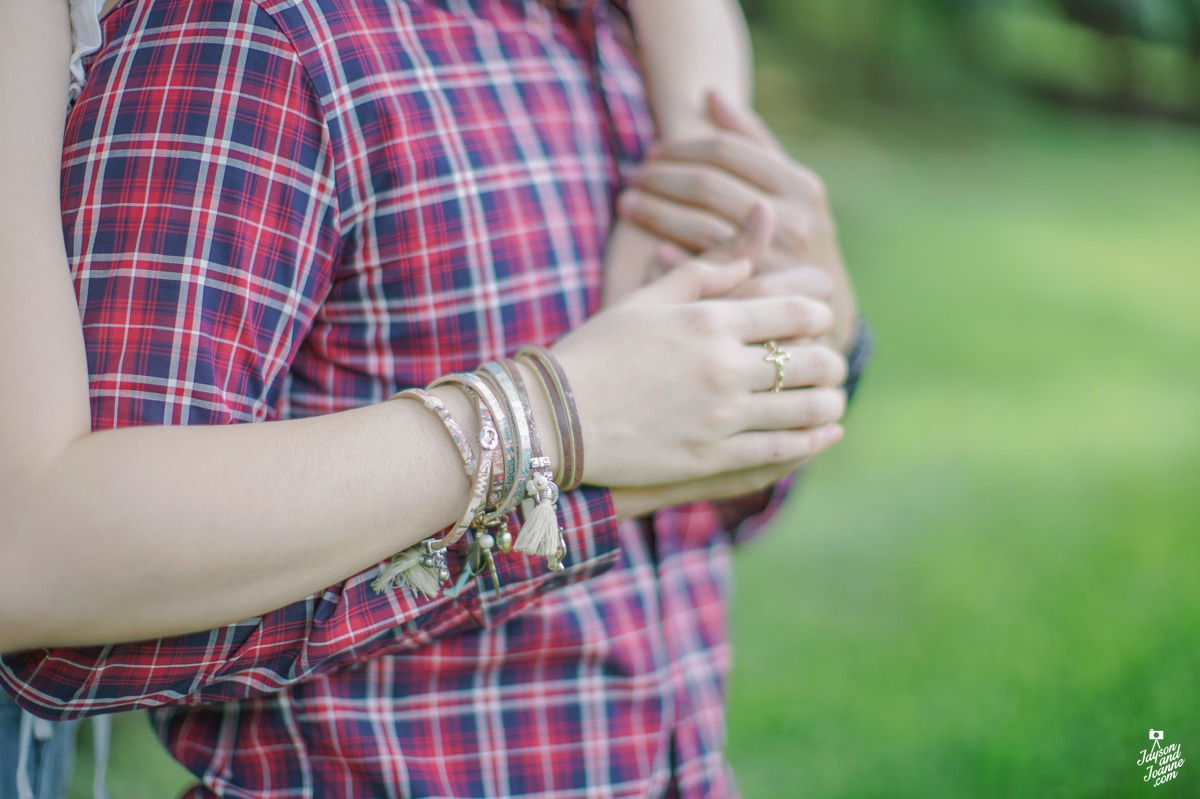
775, 447
712, 379
700, 321
827, 407
839, 404
807, 280
724, 147
809, 410
722, 417
835, 366
801, 310
640, 208
711, 232
820, 318
822, 366
707, 187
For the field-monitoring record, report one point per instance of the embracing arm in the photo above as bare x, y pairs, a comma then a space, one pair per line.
195, 293
687, 48
124, 534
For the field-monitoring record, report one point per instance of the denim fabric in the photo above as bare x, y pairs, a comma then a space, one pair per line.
48, 767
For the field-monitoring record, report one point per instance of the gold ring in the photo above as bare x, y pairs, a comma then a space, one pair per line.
777, 356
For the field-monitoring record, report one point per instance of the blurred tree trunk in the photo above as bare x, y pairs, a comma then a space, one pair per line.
1189, 13
1118, 21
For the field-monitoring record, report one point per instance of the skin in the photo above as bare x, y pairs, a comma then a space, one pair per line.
716, 159
145, 532
693, 192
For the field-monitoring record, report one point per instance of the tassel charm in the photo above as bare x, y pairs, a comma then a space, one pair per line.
419, 568
540, 536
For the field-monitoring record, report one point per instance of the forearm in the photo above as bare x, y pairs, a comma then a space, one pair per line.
688, 48
152, 531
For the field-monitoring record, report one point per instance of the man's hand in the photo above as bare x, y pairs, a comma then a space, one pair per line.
694, 193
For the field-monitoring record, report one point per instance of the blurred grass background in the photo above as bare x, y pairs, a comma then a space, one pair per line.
990, 588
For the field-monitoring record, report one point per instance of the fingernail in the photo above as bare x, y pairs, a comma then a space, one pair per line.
834, 433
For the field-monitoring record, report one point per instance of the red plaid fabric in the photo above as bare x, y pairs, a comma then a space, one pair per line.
292, 207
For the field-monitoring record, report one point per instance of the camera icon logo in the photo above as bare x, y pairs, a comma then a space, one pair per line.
1156, 735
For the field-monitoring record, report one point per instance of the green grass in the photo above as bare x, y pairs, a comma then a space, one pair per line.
989, 589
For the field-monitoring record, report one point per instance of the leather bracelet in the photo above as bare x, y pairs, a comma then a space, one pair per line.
562, 386
566, 442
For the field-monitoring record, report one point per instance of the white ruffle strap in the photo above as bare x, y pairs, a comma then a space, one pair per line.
85, 38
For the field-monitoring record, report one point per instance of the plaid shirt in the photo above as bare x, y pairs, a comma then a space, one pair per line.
291, 207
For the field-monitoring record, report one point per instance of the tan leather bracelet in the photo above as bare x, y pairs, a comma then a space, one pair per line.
566, 458
550, 373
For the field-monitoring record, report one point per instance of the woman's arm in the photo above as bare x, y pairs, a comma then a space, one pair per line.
150, 531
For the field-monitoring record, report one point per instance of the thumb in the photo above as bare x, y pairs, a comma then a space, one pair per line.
718, 270
692, 280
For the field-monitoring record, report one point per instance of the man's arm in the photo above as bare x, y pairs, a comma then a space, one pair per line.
686, 48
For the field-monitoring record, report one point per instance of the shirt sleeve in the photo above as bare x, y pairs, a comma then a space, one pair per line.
747, 517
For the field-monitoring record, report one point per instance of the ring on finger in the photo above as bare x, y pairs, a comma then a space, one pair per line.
776, 355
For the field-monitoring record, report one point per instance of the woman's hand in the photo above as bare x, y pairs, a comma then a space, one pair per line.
672, 385
693, 193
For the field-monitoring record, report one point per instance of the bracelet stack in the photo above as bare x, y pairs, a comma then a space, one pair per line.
511, 470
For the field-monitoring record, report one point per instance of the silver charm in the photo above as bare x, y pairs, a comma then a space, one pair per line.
434, 561
554, 562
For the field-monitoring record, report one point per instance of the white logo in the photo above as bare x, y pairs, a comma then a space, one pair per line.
1162, 762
